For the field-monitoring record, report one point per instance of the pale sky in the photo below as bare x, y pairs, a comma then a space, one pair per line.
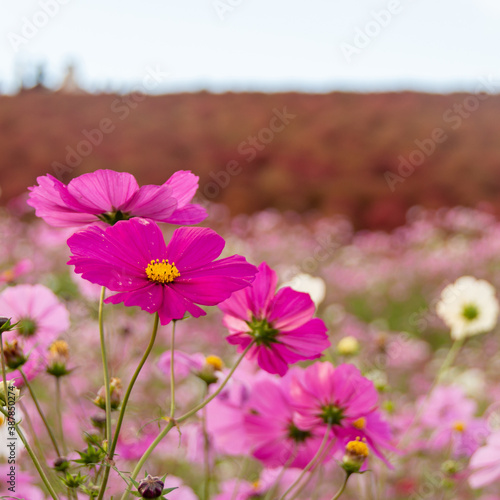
269, 45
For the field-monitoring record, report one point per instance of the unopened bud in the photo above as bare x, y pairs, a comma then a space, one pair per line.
98, 421
151, 487
61, 464
12, 393
14, 355
115, 388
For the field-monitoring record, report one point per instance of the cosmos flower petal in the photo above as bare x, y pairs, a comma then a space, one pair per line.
49, 199
291, 309
186, 216
194, 247
152, 202
184, 185
103, 190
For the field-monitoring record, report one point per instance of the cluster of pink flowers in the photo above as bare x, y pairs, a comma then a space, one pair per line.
313, 389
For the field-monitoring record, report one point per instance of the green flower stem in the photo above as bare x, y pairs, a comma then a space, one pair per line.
206, 454
59, 415
105, 367
274, 487
40, 412
112, 448
342, 488
32, 455
447, 363
4, 371
190, 413
311, 463
172, 372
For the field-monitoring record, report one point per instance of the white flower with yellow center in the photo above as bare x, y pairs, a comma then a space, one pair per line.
468, 307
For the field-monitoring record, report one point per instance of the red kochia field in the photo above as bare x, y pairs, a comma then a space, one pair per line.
331, 153
157, 347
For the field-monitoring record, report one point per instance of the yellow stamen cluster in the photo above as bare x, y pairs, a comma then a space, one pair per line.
2, 420
360, 423
215, 362
459, 426
162, 272
357, 448
59, 348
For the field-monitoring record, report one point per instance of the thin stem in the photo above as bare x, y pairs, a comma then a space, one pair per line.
33, 457
311, 463
172, 372
4, 371
59, 415
447, 363
206, 454
342, 488
146, 455
277, 481
190, 413
320, 458
40, 412
105, 367
126, 397
219, 389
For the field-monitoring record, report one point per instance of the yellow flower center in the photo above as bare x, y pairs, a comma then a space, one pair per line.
215, 362
459, 426
357, 448
162, 272
2, 420
360, 423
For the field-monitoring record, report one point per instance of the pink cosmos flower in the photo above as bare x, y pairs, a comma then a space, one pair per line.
343, 398
42, 319
131, 258
485, 463
109, 196
450, 414
275, 436
281, 323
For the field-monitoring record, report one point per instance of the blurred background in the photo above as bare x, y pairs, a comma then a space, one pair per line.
364, 109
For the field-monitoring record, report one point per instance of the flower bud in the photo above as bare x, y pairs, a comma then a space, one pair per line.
115, 388
348, 346
451, 467
98, 421
61, 464
58, 359
12, 393
151, 487
212, 365
6, 325
14, 355
356, 453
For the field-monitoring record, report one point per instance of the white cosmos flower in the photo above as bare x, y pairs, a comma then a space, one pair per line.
468, 307
306, 283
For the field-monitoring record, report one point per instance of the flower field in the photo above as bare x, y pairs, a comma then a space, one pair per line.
156, 348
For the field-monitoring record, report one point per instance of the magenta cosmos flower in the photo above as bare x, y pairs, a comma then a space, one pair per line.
109, 196
131, 258
342, 398
281, 325
271, 426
